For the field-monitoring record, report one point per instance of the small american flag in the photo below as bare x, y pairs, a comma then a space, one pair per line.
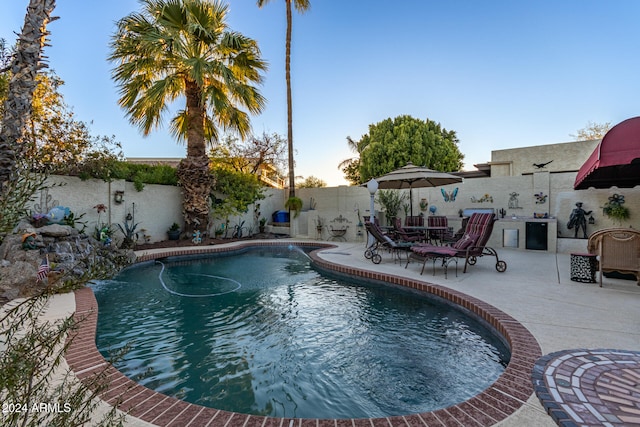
43, 269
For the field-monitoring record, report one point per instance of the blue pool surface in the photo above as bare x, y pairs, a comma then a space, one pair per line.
262, 332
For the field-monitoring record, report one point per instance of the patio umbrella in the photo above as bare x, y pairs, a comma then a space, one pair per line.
615, 160
412, 176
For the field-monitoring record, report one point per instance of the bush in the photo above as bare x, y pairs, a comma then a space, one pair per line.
146, 174
140, 174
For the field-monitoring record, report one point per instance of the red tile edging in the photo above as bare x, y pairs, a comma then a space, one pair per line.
504, 397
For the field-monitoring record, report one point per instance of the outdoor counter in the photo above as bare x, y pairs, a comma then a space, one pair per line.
523, 232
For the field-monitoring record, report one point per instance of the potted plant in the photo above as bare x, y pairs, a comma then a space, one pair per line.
615, 208
174, 231
219, 231
262, 223
294, 203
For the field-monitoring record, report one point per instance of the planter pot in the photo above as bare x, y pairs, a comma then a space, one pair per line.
173, 235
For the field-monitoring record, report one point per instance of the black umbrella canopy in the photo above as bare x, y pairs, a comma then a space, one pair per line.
412, 176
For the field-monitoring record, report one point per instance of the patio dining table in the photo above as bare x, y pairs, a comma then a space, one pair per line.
430, 231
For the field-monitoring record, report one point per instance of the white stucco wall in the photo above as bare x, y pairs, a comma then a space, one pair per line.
157, 206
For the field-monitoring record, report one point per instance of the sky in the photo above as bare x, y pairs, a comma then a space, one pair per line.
501, 73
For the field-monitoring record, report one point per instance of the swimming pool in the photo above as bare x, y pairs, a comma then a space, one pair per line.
286, 341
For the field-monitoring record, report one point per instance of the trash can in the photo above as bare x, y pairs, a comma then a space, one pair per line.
536, 236
280, 216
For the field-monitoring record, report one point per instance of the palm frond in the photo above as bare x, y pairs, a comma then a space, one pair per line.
170, 42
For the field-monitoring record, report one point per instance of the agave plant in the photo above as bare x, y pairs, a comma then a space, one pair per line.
129, 230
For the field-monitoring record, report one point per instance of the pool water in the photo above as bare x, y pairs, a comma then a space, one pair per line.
264, 333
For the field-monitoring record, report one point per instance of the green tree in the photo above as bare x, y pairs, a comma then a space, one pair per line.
58, 138
392, 143
239, 190
301, 6
592, 131
351, 167
54, 141
312, 182
248, 156
183, 48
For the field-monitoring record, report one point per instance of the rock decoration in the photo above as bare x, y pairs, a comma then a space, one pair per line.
69, 253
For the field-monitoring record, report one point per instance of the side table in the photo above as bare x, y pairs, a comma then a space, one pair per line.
583, 267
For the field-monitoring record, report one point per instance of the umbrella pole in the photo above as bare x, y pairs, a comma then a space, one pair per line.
411, 200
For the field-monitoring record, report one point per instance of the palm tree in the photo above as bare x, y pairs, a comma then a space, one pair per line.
24, 67
351, 166
301, 6
183, 48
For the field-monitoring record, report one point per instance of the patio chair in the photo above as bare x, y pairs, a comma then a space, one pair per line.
443, 235
452, 237
471, 246
414, 221
618, 249
407, 235
382, 240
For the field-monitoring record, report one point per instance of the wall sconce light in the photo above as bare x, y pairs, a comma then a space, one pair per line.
592, 220
118, 197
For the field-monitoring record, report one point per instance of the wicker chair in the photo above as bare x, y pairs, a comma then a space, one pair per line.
618, 249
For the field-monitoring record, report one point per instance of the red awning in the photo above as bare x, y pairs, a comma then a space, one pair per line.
616, 159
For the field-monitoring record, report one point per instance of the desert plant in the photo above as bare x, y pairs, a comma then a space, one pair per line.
129, 230
73, 221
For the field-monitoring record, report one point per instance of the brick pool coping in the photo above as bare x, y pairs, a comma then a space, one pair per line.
503, 398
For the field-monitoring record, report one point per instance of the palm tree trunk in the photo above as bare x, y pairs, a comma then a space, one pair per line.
24, 68
292, 185
193, 171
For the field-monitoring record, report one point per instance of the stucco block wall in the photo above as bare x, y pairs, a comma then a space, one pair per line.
157, 206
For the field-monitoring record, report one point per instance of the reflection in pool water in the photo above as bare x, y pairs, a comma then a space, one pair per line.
271, 336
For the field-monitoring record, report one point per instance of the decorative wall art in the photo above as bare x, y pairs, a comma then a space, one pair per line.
484, 199
449, 196
541, 198
513, 201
